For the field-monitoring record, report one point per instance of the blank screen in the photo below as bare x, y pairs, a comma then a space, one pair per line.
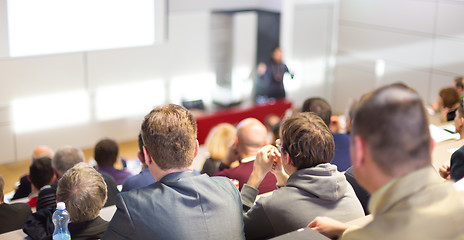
60, 26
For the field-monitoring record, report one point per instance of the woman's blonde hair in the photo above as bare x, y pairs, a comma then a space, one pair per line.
219, 138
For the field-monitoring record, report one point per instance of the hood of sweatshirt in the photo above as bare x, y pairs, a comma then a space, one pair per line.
323, 181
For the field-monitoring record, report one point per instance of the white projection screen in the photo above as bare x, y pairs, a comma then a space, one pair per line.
61, 26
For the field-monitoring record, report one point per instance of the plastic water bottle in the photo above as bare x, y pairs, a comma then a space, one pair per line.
60, 220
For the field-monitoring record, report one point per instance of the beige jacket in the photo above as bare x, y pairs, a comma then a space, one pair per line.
417, 206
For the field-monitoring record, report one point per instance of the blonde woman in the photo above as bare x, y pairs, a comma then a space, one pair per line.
217, 142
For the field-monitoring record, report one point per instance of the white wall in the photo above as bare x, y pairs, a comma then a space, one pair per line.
184, 59
420, 41
308, 40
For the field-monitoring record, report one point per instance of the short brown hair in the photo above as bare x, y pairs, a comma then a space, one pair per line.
84, 192
318, 106
106, 152
393, 123
169, 133
449, 96
307, 140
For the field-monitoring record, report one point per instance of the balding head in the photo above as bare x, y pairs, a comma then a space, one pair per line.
251, 136
392, 122
42, 151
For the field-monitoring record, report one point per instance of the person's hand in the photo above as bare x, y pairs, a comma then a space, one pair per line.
231, 155
328, 227
444, 171
277, 166
262, 165
261, 68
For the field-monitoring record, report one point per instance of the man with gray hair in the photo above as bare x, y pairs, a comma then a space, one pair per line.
64, 159
83, 190
391, 146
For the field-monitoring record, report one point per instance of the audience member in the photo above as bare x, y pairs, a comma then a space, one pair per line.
217, 142
106, 153
64, 159
144, 178
180, 204
447, 103
270, 121
24, 188
307, 180
458, 84
83, 190
251, 136
455, 170
321, 108
392, 161
40, 174
12, 216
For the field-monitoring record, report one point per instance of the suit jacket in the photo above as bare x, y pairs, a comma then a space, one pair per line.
24, 188
342, 157
13, 216
417, 206
242, 174
180, 205
457, 164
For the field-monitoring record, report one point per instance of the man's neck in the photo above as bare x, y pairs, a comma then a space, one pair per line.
158, 174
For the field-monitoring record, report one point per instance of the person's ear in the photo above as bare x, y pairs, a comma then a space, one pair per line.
359, 151
196, 148
287, 160
147, 157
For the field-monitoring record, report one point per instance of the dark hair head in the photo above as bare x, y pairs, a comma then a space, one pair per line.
140, 143
393, 123
169, 133
41, 172
318, 106
449, 96
459, 82
106, 152
307, 140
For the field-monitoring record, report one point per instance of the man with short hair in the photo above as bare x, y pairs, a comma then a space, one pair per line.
106, 153
12, 216
307, 182
84, 192
24, 188
40, 174
391, 158
251, 136
180, 204
322, 108
64, 159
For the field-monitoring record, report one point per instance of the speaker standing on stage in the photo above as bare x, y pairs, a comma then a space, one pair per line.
270, 83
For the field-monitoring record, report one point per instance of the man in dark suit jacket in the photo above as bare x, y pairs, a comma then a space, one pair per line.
322, 108
180, 204
12, 216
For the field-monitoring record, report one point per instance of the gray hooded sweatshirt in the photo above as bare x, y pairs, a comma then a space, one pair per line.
309, 192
